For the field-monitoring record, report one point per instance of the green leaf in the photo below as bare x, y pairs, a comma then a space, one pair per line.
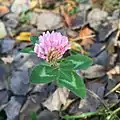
34, 39
42, 73
27, 50
80, 61
66, 65
33, 116
73, 11
72, 81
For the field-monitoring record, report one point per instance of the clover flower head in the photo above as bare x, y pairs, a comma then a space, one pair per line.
51, 46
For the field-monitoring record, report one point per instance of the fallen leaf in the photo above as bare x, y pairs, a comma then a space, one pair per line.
23, 37
86, 35
75, 46
58, 98
68, 102
3, 10
114, 71
25, 34
68, 19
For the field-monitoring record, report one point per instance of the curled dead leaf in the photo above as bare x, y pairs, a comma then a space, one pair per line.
68, 19
58, 98
87, 36
114, 71
3, 10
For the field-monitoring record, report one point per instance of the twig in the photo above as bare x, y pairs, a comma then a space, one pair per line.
80, 38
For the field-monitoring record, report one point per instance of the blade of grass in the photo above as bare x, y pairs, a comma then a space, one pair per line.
83, 115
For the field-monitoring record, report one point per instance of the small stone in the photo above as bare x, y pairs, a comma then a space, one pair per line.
96, 16
3, 73
62, 31
49, 21
116, 14
35, 32
3, 97
3, 31
94, 71
89, 103
95, 87
24, 60
47, 115
104, 30
95, 49
13, 107
23, 28
34, 17
79, 20
72, 33
32, 104
20, 82
11, 20
20, 5
84, 7
102, 59
7, 45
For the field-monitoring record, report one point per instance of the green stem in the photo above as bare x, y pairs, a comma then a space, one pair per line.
114, 112
81, 115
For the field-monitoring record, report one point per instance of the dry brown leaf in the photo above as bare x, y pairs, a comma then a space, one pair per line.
3, 10
68, 19
58, 98
86, 35
114, 71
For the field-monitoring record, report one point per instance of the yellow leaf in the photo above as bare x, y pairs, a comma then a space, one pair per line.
23, 38
25, 34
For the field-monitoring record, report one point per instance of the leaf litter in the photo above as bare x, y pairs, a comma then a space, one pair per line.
96, 78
